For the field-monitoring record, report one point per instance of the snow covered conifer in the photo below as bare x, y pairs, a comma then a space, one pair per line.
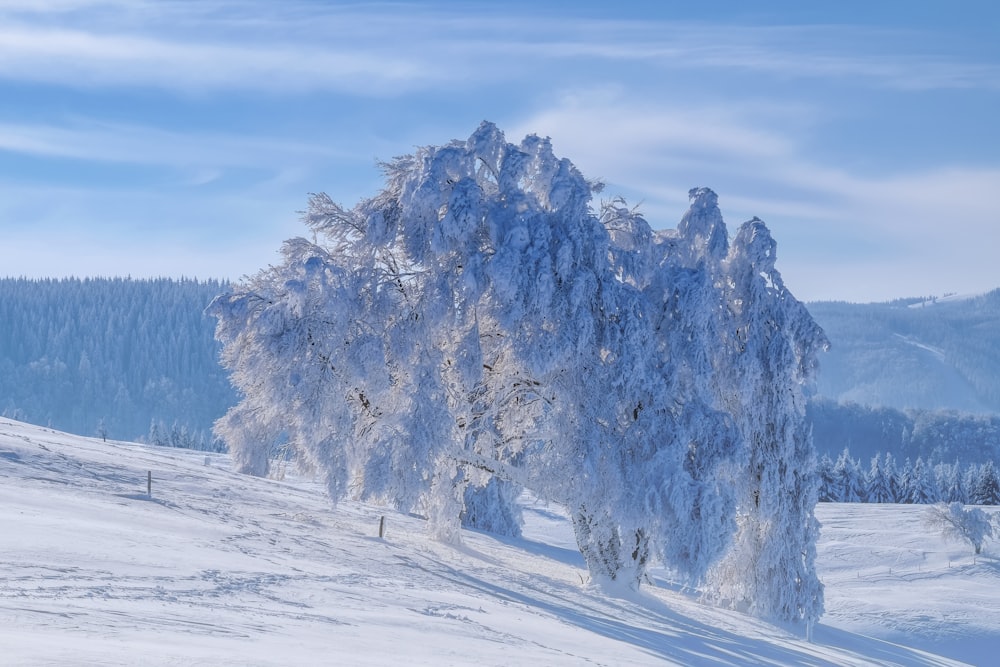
922, 489
905, 482
828, 488
877, 488
892, 478
848, 478
950, 482
984, 485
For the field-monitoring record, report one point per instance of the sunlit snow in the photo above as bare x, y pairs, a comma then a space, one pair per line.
217, 568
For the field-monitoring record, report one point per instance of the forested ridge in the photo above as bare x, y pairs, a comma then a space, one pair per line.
118, 357
916, 353
941, 435
138, 360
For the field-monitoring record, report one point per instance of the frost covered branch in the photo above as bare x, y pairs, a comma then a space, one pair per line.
476, 329
955, 521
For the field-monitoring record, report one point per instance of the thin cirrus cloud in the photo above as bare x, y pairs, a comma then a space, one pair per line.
841, 136
381, 52
79, 58
760, 170
132, 144
862, 56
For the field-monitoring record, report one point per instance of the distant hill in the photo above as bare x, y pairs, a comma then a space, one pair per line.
136, 360
913, 353
915, 377
129, 359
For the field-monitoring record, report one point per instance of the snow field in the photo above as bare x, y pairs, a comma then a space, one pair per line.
889, 575
218, 568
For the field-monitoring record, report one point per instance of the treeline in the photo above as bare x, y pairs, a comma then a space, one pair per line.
112, 356
940, 435
847, 480
137, 360
180, 435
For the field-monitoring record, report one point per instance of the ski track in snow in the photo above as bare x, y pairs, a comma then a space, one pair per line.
217, 568
936, 352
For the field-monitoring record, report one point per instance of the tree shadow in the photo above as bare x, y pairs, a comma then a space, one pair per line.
669, 635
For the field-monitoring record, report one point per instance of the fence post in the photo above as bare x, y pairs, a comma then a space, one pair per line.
381, 527
149, 483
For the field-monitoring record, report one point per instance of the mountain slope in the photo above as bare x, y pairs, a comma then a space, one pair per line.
113, 356
911, 353
217, 568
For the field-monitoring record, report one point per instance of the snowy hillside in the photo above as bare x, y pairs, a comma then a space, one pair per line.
217, 568
913, 353
124, 357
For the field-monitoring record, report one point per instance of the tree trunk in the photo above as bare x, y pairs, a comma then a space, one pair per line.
599, 544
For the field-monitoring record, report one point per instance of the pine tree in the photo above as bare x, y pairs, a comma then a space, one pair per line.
984, 488
950, 483
892, 478
849, 480
828, 488
922, 489
905, 483
878, 489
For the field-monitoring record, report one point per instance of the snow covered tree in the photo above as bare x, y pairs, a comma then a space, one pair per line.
983, 485
950, 483
476, 329
921, 488
828, 488
892, 478
971, 525
467, 333
905, 482
772, 346
849, 479
877, 485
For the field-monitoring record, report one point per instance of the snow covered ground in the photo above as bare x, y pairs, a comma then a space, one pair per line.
217, 568
890, 576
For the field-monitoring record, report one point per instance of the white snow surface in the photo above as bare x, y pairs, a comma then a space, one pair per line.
950, 298
938, 353
218, 568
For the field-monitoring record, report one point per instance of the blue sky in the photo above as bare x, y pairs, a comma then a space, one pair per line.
181, 138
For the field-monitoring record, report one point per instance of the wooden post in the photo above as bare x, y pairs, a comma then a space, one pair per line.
149, 483
381, 527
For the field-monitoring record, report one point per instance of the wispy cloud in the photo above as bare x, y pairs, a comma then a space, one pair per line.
78, 58
132, 144
246, 105
386, 49
943, 217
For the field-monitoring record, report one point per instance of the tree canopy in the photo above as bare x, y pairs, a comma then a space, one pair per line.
479, 327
